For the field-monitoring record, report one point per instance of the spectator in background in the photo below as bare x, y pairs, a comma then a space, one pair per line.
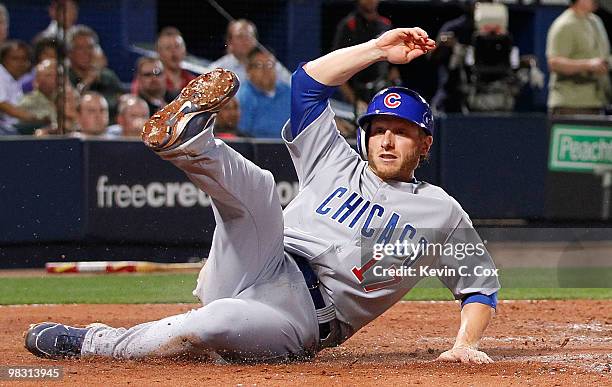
132, 114
14, 63
67, 105
150, 83
226, 123
360, 26
577, 50
240, 39
171, 49
479, 68
449, 57
87, 72
64, 15
41, 101
4, 23
264, 101
100, 60
92, 114
45, 48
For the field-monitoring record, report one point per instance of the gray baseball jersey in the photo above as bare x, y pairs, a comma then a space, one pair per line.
343, 209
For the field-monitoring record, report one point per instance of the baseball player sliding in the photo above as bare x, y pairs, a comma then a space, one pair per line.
284, 285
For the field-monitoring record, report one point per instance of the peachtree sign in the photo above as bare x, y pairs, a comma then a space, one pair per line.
580, 148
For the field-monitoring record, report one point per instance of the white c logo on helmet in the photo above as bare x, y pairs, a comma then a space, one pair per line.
392, 100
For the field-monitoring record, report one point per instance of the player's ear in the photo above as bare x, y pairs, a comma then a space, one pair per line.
426, 144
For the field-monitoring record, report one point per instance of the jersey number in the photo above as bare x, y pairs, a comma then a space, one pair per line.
370, 287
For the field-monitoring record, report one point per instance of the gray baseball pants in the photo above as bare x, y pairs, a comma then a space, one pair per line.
256, 306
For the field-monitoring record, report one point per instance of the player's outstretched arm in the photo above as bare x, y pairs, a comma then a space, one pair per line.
475, 318
397, 46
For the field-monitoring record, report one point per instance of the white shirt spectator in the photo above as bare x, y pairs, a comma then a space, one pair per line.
114, 131
10, 92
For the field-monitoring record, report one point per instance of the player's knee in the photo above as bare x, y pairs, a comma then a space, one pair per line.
219, 324
216, 336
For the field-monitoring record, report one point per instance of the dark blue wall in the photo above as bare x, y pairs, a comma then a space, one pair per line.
41, 191
495, 166
60, 189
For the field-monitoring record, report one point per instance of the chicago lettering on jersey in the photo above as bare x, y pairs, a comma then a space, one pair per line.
352, 209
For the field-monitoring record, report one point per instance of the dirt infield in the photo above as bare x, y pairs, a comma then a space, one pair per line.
532, 342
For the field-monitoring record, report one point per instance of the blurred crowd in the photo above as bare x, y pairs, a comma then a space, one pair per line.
61, 82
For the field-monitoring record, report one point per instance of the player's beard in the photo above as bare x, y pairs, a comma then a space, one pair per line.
402, 171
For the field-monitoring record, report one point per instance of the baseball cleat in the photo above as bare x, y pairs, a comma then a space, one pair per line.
205, 94
54, 340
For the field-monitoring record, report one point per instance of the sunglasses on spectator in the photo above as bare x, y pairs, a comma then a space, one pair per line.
263, 65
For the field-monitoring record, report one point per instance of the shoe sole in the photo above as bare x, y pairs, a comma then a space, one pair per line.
206, 93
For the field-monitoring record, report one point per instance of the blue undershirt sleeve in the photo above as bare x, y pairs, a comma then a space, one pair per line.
480, 298
309, 99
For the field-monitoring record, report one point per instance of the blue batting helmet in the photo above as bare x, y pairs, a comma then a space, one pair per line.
397, 102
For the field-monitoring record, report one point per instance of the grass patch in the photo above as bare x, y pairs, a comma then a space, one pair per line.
173, 288
565, 277
98, 289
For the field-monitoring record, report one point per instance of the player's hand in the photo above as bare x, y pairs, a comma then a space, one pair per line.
465, 355
402, 45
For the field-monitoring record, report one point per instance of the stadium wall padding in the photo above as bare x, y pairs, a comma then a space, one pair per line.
112, 190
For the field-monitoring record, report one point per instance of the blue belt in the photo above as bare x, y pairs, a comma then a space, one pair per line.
312, 282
